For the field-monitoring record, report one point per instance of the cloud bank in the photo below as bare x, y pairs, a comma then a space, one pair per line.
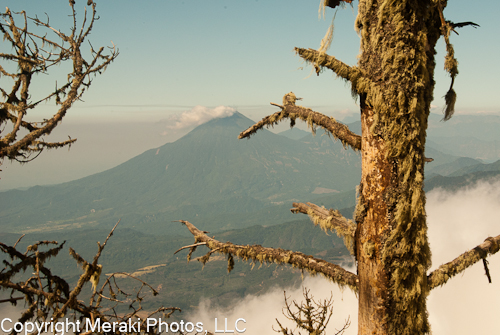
261, 312
467, 304
196, 116
458, 222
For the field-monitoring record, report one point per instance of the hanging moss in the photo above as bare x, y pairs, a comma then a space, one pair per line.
345, 231
257, 253
451, 66
450, 98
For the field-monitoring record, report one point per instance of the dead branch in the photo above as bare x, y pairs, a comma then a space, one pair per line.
261, 254
359, 81
329, 220
11, 300
49, 297
92, 272
311, 316
442, 274
461, 25
190, 246
30, 57
290, 111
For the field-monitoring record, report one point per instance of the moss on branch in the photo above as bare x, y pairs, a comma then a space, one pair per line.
442, 274
359, 82
290, 111
257, 253
329, 219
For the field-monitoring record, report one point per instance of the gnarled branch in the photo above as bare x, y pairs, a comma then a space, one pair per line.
261, 254
359, 82
329, 219
290, 111
442, 274
49, 297
32, 57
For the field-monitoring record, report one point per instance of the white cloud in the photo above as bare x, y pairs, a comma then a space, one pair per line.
458, 222
467, 304
261, 312
196, 116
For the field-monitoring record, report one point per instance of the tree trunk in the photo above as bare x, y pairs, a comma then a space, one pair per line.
373, 276
393, 255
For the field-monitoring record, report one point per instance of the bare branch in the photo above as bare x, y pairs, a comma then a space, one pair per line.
190, 246
92, 272
462, 24
31, 58
290, 111
49, 297
261, 254
359, 82
311, 316
19, 240
11, 300
442, 274
130, 276
329, 219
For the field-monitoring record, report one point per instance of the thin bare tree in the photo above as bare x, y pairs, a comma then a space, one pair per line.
311, 316
394, 82
49, 299
37, 48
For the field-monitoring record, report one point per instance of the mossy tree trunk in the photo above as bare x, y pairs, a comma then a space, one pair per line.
397, 56
394, 83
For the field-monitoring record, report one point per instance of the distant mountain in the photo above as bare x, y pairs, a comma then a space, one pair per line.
355, 127
461, 172
454, 183
445, 169
294, 133
468, 146
478, 167
482, 127
474, 136
208, 175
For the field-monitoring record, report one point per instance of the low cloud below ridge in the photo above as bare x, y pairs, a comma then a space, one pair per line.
465, 305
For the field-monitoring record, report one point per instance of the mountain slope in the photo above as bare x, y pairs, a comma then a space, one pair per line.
208, 172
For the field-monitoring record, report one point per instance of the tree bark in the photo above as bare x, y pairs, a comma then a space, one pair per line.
393, 254
373, 276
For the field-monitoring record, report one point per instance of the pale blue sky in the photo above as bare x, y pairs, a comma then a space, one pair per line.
178, 54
